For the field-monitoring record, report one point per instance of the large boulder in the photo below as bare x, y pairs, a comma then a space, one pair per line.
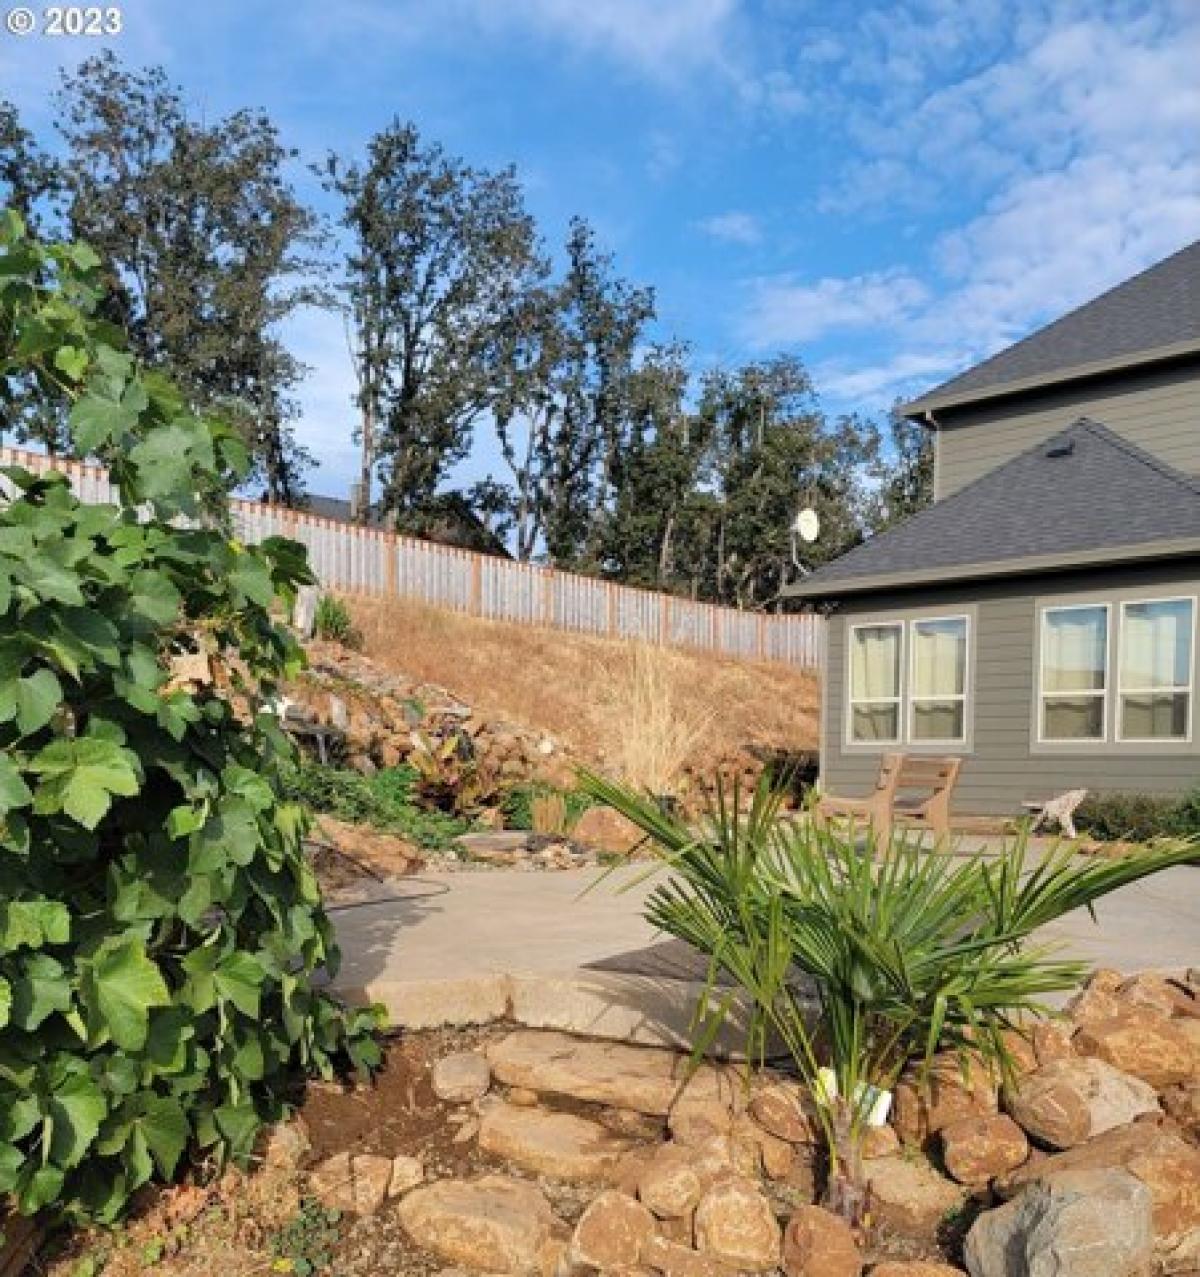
909, 1196
977, 1149
949, 1090
736, 1225
1070, 1101
1085, 1223
611, 1233
559, 1145
647, 1079
779, 1109
607, 830
817, 1243
491, 1225
1143, 1044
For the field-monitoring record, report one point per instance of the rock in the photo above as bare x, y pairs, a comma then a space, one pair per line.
880, 1141
1153, 992
1088, 1223
1070, 1101
817, 1243
979, 1148
1052, 1041
407, 1173
1140, 1043
673, 1259
693, 1121
672, 1183
611, 1233
914, 1268
909, 1196
1168, 1167
638, 1126
355, 1184
607, 830
950, 1090
287, 1144
462, 1077
1097, 1000
648, 1079
560, 1145
735, 1224
1021, 1052
779, 1110
1183, 1105
522, 1097
492, 1225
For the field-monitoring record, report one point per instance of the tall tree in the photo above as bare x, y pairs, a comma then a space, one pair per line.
206, 245
28, 175
906, 476
440, 254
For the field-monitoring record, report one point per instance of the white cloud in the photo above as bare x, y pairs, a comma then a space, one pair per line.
785, 310
734, 227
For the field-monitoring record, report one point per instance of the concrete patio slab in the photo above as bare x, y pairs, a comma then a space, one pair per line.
570, 950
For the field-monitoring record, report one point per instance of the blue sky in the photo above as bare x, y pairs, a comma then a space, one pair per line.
891, 190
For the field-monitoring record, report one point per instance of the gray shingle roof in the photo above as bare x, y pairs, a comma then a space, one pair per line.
1152, 312
1084, 493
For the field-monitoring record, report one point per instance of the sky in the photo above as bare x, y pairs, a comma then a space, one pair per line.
893, 191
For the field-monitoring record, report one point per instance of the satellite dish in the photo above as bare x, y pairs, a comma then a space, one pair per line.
807, 525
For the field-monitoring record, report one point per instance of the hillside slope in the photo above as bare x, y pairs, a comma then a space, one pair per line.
622, 706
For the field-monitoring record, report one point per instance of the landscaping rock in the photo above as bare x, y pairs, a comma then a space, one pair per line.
1052, 1041
462, 1077
1140, 1043
692, 1121
673, 1259
407, 1173
1086, 1223
979, 1148
672, 1183
492, 1225
914, 1268
355, 1184
779, 1110
947, 1092
1151, 991
607, 830
1183, 1105
560, 1145
287, 1144
648, 1079
611, 1233
880, 1141
817, 1243
735, 1224
1067, 1102
1097, 999
909, 1196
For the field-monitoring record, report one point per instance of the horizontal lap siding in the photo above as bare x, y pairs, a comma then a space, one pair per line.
1158, 411
1002, 769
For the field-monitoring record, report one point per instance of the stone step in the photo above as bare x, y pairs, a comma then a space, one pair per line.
560, 1145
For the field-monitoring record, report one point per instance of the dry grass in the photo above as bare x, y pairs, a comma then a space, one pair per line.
623, 706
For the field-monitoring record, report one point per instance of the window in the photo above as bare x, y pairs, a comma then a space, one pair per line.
1074, 674
1156, 643
938, 688
875, 682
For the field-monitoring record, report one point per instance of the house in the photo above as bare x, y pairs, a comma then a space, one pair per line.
1040, 617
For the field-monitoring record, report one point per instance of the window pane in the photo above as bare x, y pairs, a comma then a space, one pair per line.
938, 720
875, 662
1073, 718
1155, 716
940, 657
1074, 649
1156, 644
875, 722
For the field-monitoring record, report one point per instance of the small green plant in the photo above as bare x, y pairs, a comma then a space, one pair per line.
1139, 817
863, 962
524, 806
449, 776
334, 624
306, 1243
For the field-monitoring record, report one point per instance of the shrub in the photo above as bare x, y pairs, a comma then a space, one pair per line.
861, 963
333, 622
543, 808
159, 925
1138, 817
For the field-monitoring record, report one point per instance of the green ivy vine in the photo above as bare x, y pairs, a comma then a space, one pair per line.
160, 927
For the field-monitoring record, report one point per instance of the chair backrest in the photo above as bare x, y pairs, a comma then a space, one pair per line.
919, 771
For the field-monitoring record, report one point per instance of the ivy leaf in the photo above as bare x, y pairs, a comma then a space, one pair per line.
33, 923
38, 696
39, 991
96, 420
123, 985
239, 977
72, 361
164, 1126
76, 1110
155, 597
80, 777
14, 792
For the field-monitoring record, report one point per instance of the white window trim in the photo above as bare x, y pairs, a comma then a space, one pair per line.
897, 700
912, 698
1163, 690
1104, 693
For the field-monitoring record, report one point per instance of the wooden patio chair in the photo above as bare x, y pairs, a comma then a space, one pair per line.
892, 798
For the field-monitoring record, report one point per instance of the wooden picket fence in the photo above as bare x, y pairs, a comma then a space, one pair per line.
369, 561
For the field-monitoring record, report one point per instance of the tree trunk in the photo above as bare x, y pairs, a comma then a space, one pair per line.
368, 458
846, 1190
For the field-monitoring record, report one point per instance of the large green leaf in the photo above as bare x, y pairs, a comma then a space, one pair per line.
14, 792
80, 777
38, 696
76, 1110
123, 986
33, 923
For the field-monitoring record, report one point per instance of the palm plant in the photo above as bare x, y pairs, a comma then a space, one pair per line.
861, 964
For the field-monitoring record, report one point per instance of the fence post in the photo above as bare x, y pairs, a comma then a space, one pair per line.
477, 586
762, 636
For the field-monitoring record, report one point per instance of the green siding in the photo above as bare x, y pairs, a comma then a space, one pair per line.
1004, 765
1159, 411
